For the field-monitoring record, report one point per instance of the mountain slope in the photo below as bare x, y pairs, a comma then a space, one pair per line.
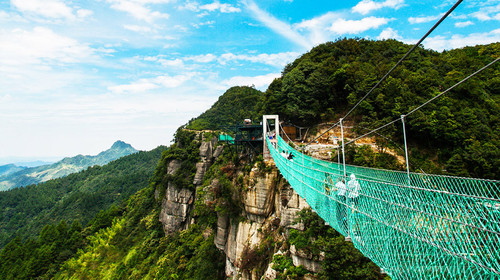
78, 196
35, 175
9, 169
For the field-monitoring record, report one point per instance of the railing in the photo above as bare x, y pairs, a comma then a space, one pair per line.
432, 227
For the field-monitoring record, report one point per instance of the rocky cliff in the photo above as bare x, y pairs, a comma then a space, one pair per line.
255, 208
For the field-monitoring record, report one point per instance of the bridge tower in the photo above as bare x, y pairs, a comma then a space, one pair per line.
270, 127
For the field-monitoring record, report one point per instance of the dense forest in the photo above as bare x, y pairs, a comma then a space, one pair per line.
76, 197
457, 134
56, 230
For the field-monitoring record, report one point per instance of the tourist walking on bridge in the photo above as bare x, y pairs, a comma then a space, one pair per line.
341, 206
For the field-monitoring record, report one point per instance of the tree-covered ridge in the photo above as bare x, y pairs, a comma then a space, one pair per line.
457, 134
76, 197
64, 167
235, 105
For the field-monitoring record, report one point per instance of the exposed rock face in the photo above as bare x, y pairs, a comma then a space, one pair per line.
259, 198
178, 202
175, 208
267, 204
301, 258
207, 155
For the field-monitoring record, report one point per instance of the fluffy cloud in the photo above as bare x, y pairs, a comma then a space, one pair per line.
49, 8
463, 23
138, 9
137, 28
487, 12
414, 20
145, 85
260, 82
389, 33
317, 27
16, 48
342, 26
366, 6
212, 7
277, 59
458, 41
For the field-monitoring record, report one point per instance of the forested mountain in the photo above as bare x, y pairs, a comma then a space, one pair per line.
76, 197
457, 134
235, 105
210, 213
35, 175
10, 168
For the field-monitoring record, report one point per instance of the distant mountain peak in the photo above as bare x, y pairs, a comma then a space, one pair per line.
121, 145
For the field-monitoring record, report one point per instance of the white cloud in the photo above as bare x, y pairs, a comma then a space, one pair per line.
149, 84
277, 59
17, 47
389, 33
83, 13
204, 58
260, 82
318, 27
415, 20
54, 9
342, 26
366, 6
459, 41
487, 12
212, 7
276, 25
138, 28
209, 23
463, 23
138, 9
172, 62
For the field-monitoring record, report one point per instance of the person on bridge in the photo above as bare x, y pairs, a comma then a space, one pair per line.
341, 208
353, 188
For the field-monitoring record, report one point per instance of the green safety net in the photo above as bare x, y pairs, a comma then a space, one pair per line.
226, 138
420, 226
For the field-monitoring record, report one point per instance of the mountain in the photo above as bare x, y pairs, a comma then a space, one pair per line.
10, 168
34, 175
76, 197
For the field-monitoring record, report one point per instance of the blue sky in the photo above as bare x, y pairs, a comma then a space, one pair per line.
77, 75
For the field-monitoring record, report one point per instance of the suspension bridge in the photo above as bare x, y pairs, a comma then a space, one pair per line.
412, 225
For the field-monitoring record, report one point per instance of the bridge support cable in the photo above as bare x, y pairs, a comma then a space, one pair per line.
406, 150
439, 227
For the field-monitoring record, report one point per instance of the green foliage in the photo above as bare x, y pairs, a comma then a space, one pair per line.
135, 247
235, 105
43, 256
184, 151
342, 260
285, 268
76, 197
459, 131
